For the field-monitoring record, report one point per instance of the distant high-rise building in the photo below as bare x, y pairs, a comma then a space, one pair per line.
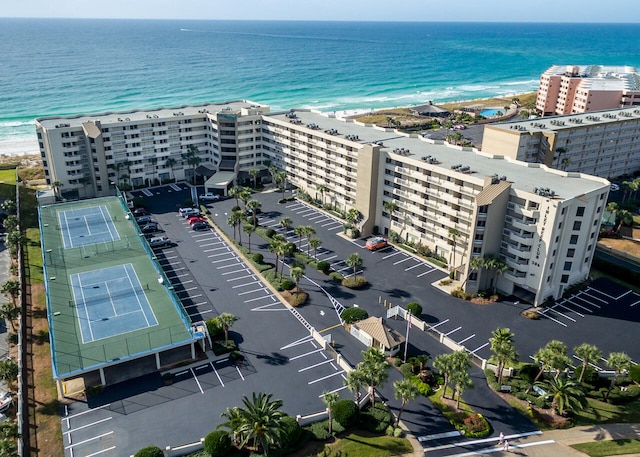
574, 89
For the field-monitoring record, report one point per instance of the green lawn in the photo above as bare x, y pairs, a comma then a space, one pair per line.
600, 413
609, 447
8, 176
363, 445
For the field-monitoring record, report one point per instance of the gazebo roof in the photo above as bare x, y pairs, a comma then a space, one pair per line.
374, 327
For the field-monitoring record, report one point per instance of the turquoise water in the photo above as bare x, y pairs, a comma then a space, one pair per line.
59, 66
489, 112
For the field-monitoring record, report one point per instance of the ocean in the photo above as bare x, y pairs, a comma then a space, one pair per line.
66, 66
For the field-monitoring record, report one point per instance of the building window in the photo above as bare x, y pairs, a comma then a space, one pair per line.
559, 225
574, 239
564, 210
577, 225
477, 250
564, 279
483, 209
571, 252
580, 211
479, 237
567, 266
590, 247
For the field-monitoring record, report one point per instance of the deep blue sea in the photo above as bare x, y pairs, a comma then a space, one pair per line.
64, 66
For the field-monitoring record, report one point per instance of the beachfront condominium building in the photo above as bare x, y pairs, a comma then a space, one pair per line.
460, 203
575, 89
602, 143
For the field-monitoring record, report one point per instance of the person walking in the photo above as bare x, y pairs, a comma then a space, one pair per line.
506, 445
501, 441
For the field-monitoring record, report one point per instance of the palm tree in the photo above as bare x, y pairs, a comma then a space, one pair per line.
275, 246
375, 369
564, 164
234, 220
623, 217
620, 362
296, 274
11, 288
355, 381
444, 364
553, 355
8, 371
559, 151
171, 162
587, 353
56, 185
475, 264
260, 421
391, 208
226, 320
281, 181
354, 261
504, 349
235, 192
233, 423
461, 381
330, 399
254, 172
299, 231
286, 249
249, 229
453, 234
322, 189
314, 243
286, 223
254, 206
9, 311
565, 394
627, 187
405, 390
245, 196
309, 231
353, 216
192, 158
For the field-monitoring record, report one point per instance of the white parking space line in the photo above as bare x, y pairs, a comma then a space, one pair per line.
246, 270
326, 377
197, 382
569, 309
304, 211
391, 255
579, 306
426, 273
452, 331
239, 372
200, 235
414, 266
303, 340
216, 372
245, 284
252, 291
332, 222
305, 354
269, 307
596, 367
624, 294
217, 249
600, 292
403, 260
210, 244
176, 276
195, 304
185, 282
332, 391
555, 320
87, 425
241, 277
634, 304
466, 339
553, 309
228, 259
478, 348
439, 323
98, 452
261, 298
219, 254
170, 257
73, 416
89, 440
235, 264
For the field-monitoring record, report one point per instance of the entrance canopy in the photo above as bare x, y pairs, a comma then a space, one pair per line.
222, 180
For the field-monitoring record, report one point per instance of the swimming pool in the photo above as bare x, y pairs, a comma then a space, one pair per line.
490, 112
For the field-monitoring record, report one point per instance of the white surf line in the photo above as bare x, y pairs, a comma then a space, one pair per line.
466, 339
478, 348
197, 382
573, 310
302, 340
326, 377
305, 354
216, 372
403, 260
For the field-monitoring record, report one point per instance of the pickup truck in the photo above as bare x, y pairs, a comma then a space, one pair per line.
209, 197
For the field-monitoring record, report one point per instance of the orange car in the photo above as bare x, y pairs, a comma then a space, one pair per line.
375, 243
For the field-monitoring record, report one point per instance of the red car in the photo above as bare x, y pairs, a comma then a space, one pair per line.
193, 219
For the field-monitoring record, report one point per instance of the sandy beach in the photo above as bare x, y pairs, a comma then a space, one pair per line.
19, 147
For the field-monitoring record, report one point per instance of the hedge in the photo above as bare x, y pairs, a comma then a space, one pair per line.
217, 443
345, 412
351, 315
414, 308
150, 451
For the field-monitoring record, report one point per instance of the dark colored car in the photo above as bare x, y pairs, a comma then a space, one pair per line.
138, 212
143, 220
200, 226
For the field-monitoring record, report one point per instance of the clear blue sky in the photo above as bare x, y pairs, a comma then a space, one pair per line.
339, 10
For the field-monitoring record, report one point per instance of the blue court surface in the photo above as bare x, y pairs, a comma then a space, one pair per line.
110, 301
85, 226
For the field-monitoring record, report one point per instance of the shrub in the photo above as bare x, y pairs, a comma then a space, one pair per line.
407, 370
530, 314
323, 266
214, 328
270, 233
345, 412
296, 298
446, 282
236, 356
376, 419
217, 443
397, 432
149, 451
319, 430
528, 372
235, 208
491, 379
591, 376
424, 388
337, 277
414, 308
389, 431
476, 426
458, 292
257, 258
397, 362
291, 433
287, 284
355, 282
634, 373
351, 315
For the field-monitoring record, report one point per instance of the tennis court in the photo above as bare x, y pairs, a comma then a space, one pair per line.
110, 301
84, 226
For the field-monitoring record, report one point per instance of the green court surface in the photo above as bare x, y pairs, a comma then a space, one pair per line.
166, 323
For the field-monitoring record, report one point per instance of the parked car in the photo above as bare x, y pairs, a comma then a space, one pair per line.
191, 213
185, 209
159, 241
194, 219
375, 243
138, 212
200, 226
615, 187
209, 196
5, 400
143, 220
149, 227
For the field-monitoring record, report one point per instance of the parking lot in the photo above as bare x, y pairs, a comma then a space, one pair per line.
210, 278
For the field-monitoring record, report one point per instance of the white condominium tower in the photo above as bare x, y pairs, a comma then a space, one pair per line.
459, 202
